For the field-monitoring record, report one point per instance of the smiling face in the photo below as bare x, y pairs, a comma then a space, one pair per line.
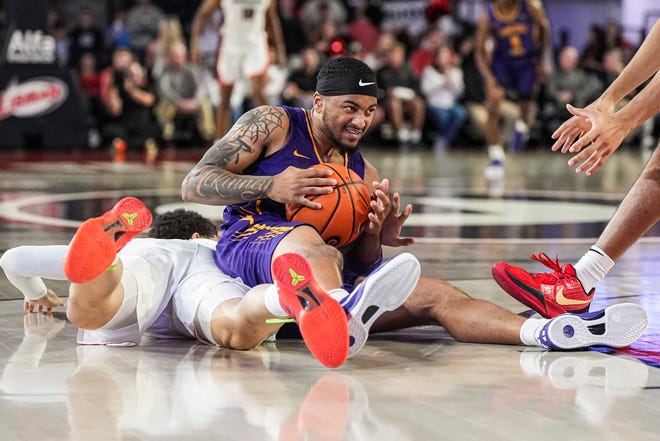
343, 120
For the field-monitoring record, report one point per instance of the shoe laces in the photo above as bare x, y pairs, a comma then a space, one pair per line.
547, 261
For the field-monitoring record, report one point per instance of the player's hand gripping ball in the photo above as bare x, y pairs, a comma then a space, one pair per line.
344, 211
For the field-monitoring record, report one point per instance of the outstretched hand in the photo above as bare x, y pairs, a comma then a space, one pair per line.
569, 131
597, 143
389, 218
380, 207
391, 233
44, 304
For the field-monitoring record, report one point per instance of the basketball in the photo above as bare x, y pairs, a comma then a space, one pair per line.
343, 212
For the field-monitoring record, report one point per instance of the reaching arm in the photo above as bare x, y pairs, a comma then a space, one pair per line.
216, 179
202, 15
608, 130
275, 27
541, 20
26, 265
542, 38
642, 66
483, 29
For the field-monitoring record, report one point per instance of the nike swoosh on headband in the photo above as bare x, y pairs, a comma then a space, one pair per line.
362, 84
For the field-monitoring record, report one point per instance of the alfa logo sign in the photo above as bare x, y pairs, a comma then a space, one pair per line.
35, 97
31, 47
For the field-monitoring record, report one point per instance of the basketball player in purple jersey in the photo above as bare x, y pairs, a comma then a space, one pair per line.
263, 163
520, 30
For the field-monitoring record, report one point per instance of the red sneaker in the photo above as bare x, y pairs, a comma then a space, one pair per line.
549, 294
94, 246
321, 319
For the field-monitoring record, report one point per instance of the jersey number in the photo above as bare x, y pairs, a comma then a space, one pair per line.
516, 47
248, 13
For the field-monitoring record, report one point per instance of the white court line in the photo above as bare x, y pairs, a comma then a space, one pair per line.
12, 209
476, 240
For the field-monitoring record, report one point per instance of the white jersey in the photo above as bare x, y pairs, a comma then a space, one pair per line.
243, 19
177, 285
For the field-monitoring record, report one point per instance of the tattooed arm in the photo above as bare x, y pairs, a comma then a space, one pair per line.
216, 179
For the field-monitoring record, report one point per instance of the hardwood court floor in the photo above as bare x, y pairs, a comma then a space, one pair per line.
416, 384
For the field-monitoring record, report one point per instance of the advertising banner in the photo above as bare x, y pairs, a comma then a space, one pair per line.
40, 105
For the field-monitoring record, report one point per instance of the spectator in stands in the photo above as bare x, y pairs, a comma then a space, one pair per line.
128, 102
169, 33
142, 22
62, 43
362, 30
591, 59
86, 38
570, 84
424, 55
292, 28
301, 83
117, 33
613, 65
181, 96
328, 41
90, 84
377, 58
275, 79
402, 96
442, 86
315, 13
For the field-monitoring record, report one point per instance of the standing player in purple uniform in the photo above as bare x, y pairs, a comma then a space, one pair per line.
263, 163
521, 30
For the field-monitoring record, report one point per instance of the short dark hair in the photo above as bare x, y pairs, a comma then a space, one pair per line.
182, 224
342, 65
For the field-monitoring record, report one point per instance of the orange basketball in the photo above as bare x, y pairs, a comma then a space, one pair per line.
343, 212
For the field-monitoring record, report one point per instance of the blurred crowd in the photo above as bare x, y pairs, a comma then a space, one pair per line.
142, 90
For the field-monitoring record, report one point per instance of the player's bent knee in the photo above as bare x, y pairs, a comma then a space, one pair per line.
84, 318
238, 339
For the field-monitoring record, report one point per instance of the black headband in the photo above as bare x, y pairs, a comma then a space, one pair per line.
347, 83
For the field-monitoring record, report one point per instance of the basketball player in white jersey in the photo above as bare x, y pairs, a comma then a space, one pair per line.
243, 48
169, 288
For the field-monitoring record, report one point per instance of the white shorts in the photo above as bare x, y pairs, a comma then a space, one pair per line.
239, 60
171, 289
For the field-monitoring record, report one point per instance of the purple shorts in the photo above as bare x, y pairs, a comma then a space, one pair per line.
517, 75
246, 248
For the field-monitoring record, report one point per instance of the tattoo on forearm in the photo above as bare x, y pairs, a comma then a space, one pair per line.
252, 128
221, 184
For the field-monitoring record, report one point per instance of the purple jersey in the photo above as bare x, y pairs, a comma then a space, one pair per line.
298, 151
513, 35
252, 230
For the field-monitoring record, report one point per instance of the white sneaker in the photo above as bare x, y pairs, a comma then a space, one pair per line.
615, 326
495, 171
385, 289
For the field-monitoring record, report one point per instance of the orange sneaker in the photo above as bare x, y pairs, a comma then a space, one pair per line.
94, 246
321, 319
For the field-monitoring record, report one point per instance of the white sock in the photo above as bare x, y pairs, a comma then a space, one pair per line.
272, 302
521, 126
496, 153
338, 294
530, 331
593, 267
